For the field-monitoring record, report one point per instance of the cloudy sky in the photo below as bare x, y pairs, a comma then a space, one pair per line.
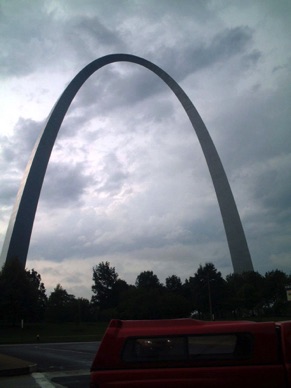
127, 181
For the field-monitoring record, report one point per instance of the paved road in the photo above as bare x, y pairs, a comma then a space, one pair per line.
59, 364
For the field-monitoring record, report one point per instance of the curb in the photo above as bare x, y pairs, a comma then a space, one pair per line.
11, 366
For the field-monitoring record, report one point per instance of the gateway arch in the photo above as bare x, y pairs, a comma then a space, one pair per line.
19, 230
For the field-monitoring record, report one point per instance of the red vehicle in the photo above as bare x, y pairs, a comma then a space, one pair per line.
189, 353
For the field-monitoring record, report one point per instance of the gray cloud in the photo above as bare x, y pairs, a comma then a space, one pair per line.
24, 22
15, 151
89, 37
17, 148
64, 184
115, 176
94, 33
193, 55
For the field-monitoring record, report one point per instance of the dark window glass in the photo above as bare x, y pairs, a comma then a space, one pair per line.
155, 349
199, 347
220, 346
211, 345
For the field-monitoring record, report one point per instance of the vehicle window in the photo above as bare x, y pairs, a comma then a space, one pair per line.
199, 347
155, 349
225, 346
205, 346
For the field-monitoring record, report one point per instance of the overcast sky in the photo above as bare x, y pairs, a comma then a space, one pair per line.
127, 181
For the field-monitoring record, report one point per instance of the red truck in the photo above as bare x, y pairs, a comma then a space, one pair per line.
178, 353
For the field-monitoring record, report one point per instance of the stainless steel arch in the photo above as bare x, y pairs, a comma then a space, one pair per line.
18, 235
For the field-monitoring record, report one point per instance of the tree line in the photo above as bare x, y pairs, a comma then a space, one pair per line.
205, 295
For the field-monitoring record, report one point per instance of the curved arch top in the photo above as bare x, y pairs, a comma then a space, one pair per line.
18, 235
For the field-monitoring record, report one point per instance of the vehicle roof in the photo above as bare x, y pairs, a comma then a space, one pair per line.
178, 326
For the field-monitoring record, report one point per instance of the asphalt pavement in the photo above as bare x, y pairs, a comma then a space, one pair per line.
50, 365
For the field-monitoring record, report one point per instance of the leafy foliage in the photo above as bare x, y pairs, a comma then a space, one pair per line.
23, 295
204, 295
207, 290
61, 306
147, 279
65, 307
104, 278
174, 284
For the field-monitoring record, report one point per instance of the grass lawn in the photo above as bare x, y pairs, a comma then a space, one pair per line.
67, 332
63, 332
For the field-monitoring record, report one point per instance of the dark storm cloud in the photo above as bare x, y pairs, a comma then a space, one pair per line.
214, 49
89, 37
136, 85
156, 10
93, 32
109, 89
81, 37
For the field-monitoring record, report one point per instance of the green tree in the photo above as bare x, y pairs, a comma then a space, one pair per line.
147, 280
62, 307
275, 300
140, 303
152, 303
84, 310
245, 293
174, 284
234, 300
22, 294
36, 295
13, 289
104, 278
118, 290
207, 291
